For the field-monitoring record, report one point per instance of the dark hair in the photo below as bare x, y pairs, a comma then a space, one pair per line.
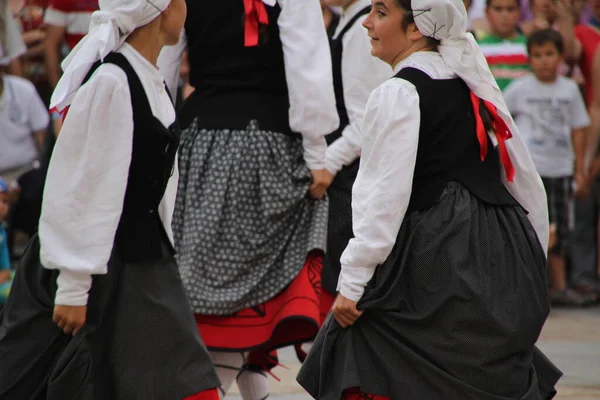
489, 3
539, 38
409, 18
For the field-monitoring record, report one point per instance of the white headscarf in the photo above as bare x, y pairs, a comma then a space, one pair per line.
446, 20
109, 28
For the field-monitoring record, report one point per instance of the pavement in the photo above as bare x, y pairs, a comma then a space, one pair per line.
571, 339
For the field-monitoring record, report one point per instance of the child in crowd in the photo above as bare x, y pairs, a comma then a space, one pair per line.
504, 47
6, 274
550, 113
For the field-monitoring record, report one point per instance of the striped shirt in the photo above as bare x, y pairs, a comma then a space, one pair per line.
507, 58
73, 15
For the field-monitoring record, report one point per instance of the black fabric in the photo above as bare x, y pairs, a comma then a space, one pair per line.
241, 84
448, 145
339, 229
140, 229
140, 340
453, 313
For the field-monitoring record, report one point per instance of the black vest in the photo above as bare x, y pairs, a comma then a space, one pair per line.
337, 50
140, 235
234, 83
346, 177
448, 146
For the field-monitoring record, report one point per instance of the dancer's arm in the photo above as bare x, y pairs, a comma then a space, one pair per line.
309, 77
382, 190
85, 187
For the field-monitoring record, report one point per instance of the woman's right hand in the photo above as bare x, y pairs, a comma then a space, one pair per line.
321, 181
69, 318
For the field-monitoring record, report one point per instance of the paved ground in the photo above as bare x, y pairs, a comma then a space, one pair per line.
571, 338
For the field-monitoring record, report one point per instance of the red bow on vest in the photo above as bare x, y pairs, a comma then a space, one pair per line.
256, 15
502, 134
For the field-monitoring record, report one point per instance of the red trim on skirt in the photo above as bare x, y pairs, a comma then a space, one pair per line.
293, 316
356, 394
212, 394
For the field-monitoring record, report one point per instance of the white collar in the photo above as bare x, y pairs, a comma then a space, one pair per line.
419, 58
142, 66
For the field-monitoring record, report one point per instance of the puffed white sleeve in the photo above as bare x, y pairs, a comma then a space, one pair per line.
86, 183
309, 77
383, 187
169, 64
361, 74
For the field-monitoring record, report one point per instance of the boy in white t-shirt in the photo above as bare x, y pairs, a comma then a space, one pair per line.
551, 115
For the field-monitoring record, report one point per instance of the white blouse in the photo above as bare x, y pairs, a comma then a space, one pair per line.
87, 178
381, 193
361, 74
308, 72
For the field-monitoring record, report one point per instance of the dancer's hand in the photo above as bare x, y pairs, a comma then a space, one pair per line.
70, 318
345, 311
319, 184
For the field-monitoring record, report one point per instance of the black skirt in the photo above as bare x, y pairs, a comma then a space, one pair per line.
140, 340
339, 225
453, 313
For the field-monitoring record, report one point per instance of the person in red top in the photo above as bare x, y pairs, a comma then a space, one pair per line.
68, 22
588, 38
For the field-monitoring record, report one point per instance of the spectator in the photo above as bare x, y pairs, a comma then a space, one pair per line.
11, 43
553, 14
23, 122
585, 263
67, 23
504, 46
551, 115
31, 15
6, 274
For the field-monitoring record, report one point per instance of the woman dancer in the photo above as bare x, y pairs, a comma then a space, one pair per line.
355, 75
442, 291
106, 317
250, 221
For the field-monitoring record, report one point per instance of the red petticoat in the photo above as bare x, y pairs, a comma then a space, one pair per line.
355, 394
212, 394
293, 316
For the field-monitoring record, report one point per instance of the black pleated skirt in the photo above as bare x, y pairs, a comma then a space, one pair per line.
140, 340
453, 313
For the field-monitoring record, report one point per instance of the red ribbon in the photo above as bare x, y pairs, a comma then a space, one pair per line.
256, 15
502, 135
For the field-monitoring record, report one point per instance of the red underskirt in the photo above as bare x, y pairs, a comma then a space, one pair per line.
212, 394
293, 316
355, 394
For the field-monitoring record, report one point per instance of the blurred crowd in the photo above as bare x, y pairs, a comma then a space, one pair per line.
542, 53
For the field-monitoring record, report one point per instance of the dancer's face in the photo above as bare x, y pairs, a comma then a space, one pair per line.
173, 21
390, 41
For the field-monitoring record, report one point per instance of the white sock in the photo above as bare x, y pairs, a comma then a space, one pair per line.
253, 384
228, 366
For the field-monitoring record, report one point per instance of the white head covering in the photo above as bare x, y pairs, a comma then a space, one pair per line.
446, 20
109, 28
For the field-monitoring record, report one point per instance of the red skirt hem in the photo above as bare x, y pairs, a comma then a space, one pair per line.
293, 316
356, 394
212, 394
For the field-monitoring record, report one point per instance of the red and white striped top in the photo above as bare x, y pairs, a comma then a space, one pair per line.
73, 15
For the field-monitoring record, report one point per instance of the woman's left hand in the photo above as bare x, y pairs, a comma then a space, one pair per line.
345, 311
